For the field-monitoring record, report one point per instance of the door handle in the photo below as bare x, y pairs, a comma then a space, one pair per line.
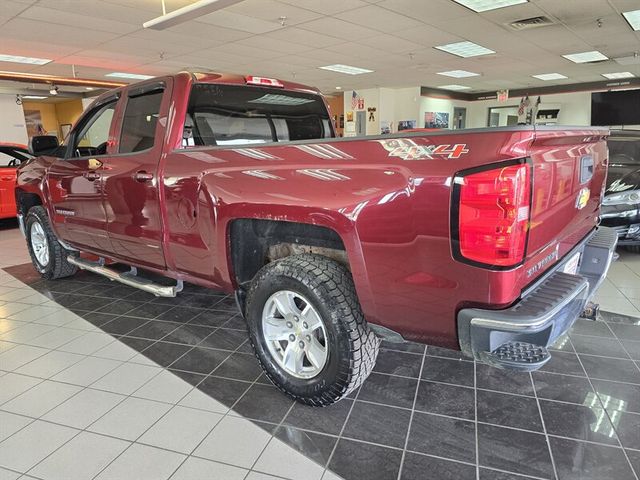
143, 176
91, 176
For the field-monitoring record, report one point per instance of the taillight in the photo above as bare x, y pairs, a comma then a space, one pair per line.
493, 215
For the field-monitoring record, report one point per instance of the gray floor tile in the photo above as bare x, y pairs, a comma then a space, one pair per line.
14, 384
83, 409
19, 355
197, 468
127, 378
33, 443
81, 458
49, 364
86, 371
130, 419
141, 462
41, 398
181, 429
8, 474
165, 387
10, 423
235, 441
279, 459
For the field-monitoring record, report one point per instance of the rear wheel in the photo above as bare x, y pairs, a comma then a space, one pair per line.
308, 330
48, 256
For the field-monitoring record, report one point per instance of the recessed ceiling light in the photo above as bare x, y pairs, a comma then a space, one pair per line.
454, 87
19, 59
549, 76
486, 5
89, 88
465, 49
348, 69
586, 57
633, 17
459, 74
33, 97
616, 75
135, 76
338, 88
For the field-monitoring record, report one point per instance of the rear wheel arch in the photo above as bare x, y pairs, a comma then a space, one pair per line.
253, 243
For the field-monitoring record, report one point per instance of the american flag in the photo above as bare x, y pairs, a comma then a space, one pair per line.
354, 100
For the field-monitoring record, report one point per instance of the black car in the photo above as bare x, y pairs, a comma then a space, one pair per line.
621, 204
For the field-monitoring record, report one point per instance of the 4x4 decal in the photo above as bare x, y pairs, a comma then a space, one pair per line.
407, 149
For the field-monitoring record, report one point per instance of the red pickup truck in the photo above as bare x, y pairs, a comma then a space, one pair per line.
481, 240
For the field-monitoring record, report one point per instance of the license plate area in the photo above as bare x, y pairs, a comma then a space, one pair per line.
571, 265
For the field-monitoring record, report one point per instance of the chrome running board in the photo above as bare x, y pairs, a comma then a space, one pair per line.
127, 278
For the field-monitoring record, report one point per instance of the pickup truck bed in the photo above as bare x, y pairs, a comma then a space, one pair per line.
438, 238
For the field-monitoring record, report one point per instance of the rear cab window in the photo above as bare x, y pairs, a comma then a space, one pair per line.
231, 115
140, 121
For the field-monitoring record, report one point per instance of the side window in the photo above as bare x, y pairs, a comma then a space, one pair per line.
91, 139
139, 123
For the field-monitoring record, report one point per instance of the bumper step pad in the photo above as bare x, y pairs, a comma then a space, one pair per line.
515, 354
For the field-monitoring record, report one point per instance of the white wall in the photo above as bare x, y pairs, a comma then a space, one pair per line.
371, 98
575, 108
12, 125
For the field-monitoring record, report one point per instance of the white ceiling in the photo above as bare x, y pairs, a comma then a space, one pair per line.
395, 38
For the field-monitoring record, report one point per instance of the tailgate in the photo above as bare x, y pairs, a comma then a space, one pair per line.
7, 194
569, 172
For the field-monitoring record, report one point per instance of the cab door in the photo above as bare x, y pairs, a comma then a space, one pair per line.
131, 193
75, 182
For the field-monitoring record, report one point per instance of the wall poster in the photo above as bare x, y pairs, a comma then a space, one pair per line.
436, 120
33, 119
406, 124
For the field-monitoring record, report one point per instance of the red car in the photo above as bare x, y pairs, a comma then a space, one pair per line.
11, 156
481, 240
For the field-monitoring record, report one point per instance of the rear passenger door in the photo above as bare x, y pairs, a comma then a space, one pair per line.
134, 220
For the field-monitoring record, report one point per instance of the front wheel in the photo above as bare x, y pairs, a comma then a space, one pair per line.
308, 330
48, 256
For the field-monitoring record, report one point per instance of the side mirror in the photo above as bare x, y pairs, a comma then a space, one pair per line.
42, 144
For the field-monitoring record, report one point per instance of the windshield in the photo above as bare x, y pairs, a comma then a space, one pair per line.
245, 115
624, 150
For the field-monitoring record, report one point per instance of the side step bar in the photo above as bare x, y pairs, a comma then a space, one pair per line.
128, 278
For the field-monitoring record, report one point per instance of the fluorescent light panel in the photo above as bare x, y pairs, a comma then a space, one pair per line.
617, 75
454, 87
633, 17
32, 97
19, 59
458, 74
486, 5
586, 57
188, 12
348, 69
135, 76
465, 49
549, 76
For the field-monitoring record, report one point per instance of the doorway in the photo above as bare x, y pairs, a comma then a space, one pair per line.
459, 118
361, 123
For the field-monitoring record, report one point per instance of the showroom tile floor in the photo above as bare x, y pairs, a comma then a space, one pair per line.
103, 381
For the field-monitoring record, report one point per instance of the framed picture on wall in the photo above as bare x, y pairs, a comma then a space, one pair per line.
65, 128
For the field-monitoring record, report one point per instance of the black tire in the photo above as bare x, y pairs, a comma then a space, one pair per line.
57, 266
633, 248
353, 347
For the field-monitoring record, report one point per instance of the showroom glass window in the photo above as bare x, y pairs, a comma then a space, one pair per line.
241, 115
91, 139
139, 122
